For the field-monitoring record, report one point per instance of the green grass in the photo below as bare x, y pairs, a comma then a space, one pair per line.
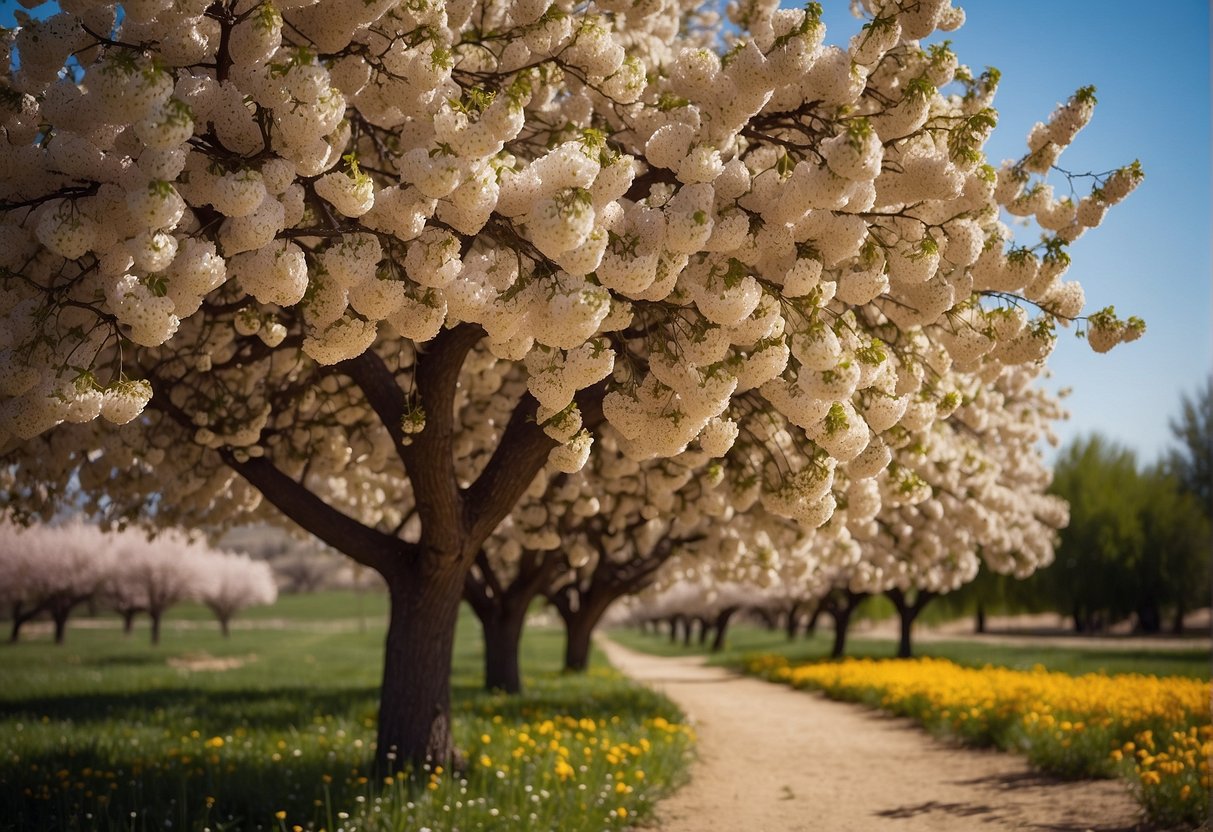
111, 733
745, 640
346, 605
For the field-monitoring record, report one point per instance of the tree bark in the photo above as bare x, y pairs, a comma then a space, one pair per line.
810, 629
59, 616
979, 625
841, 611
225, 625
842, 622
501, 609
415, 697
1149, 617
579, 635
20, 616
502, 637
722, 626
1177, 623
905, 649
155, 615
793, 622
128, 622
907, 613
702, 623
501, 666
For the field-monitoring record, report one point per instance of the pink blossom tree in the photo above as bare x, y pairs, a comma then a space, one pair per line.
51, 570
232, 582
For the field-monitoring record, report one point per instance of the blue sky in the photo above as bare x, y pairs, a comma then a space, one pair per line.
1151, 256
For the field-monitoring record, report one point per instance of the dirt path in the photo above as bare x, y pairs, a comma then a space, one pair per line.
772, 759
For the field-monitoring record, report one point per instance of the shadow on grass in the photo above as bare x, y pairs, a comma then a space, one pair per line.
209, 711
579, 697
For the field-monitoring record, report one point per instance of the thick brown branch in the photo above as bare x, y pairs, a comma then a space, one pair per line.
382, 392
429, 460
367, 546
519, 457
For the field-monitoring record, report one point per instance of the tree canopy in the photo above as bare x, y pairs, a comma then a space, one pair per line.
372, 266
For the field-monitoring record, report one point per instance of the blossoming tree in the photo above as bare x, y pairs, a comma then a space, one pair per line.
51, 570
295, 248
233, 582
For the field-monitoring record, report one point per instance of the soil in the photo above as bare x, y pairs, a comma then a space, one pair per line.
774, 759
205, 662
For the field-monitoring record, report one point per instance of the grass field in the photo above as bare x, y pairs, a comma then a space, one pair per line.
273, 729
746, 640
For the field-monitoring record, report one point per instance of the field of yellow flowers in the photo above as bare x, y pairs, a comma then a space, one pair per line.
1155, 731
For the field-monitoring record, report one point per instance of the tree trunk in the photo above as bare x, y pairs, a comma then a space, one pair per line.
502, 637
1177, 623
579, 633
905, 649
842, 622
687, 623
415, 697
59, 616
128, 622
810, 629
979, 625
155, 615
793, 622
907, 613
1149, 617
722, 626
703, 630
19, 618
225, 622
841, 612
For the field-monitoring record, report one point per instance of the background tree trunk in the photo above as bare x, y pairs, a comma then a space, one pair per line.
841, 609
128, 622
20, 616
1177, 623
979, 624
225, 625
155, 615
502, 639
842, 622
792, 625
59, 616
907, 613
722, 626
810, 629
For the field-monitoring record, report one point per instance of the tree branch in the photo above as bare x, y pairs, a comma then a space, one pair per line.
366, 545
429, 460
382, 393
